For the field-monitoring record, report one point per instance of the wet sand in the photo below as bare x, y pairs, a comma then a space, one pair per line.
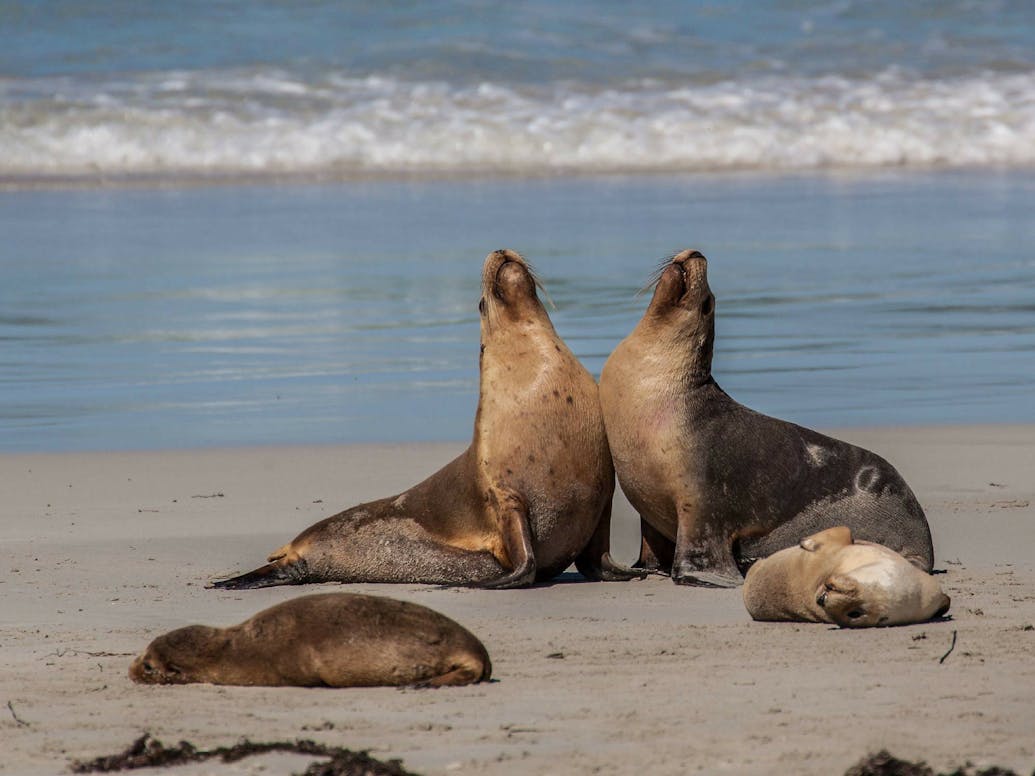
104, 551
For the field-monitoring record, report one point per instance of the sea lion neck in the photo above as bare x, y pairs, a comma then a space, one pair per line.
517, 356
684, 353
698, 369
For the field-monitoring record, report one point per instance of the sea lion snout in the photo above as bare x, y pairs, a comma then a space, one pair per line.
150, 668
506, 278
683, 283
513, 278
694, 265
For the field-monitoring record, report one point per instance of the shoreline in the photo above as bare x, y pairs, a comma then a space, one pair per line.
107, 550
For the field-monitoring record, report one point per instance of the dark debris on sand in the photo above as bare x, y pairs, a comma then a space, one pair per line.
885, 764
148, 752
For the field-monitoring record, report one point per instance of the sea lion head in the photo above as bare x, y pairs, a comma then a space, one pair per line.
509, 292
681, 313
177, 657
883, 589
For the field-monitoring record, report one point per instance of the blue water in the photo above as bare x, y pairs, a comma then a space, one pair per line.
181, 317
536, 41
250, 223
101, 91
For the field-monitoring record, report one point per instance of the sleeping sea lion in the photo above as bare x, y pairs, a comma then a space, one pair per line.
828, 577
328, 640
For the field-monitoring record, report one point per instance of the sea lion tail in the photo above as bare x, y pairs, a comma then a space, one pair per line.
277, 573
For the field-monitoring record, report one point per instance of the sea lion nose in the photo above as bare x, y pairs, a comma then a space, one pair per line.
694, 267
504, 255
688, 255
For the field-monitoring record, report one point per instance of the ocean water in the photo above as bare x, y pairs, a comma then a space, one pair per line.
136, 318
261, 223
96, 91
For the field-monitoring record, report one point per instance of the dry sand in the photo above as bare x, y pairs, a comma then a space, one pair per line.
102, 552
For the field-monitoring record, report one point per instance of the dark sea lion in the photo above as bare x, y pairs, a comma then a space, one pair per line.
529, 496
829, 577
328, 640
715, 483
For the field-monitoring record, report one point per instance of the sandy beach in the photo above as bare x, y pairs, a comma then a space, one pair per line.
104, 551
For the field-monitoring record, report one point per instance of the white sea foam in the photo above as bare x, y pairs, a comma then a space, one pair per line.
275, 122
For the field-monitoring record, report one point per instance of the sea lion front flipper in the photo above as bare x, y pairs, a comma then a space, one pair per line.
838, 536
699, 561
595, 562
517, 541
710, 579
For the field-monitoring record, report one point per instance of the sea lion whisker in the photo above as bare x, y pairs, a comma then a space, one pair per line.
655, 275
538, 283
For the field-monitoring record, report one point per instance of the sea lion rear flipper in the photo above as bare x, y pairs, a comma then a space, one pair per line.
655, 551
595, 562
267, 576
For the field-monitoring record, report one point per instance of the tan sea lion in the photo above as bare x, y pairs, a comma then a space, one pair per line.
529, 496
829, 577
328, 640
715, 483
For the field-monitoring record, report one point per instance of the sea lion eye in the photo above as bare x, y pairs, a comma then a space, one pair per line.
481, 305
855, 614
148, 666
706, 305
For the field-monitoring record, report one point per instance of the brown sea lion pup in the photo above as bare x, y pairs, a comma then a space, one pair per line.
328, 640
529, 496
828, 577
715, 483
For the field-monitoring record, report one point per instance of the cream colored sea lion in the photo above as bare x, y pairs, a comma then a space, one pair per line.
529, 496
715, 483
328, 640
829, 577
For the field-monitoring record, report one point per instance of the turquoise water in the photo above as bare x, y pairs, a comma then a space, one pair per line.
182, 317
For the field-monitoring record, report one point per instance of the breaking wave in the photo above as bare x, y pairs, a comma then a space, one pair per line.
275, 122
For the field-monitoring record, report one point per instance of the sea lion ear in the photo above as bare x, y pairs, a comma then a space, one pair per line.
837, 536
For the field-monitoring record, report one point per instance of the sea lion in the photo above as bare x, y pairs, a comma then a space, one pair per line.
529, 496
715, 483
828, 577
328, 640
